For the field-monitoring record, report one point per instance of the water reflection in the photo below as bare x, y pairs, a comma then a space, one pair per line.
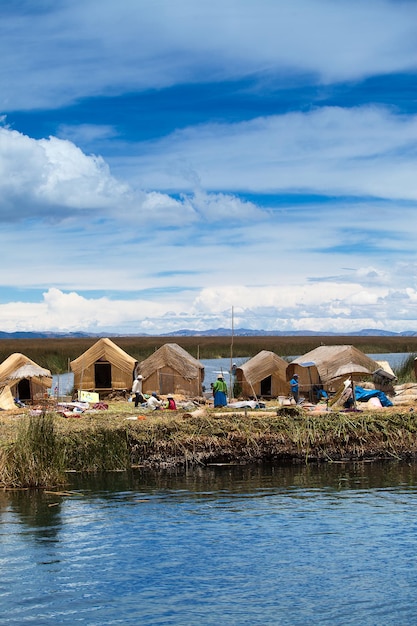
38, 511
279, 545
41, 512
250, 479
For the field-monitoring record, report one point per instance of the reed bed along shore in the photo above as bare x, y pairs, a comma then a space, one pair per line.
55, 353
38, 451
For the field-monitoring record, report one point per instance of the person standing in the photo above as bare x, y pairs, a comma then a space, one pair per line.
295, 388
220, 391
137, 390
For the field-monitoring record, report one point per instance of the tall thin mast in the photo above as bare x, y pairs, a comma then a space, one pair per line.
231, 356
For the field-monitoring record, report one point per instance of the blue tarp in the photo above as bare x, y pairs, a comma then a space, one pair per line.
363, 395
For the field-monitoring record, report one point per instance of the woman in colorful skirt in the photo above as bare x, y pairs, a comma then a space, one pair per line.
220, 391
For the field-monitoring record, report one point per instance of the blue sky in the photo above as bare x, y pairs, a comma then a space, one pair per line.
164, 162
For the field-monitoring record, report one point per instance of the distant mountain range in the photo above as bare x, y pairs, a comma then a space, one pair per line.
48, 335
213, 332
245, 332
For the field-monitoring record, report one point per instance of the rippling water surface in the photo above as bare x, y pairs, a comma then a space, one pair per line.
335, 544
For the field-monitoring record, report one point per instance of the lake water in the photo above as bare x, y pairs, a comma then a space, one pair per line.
291, 545
63, 383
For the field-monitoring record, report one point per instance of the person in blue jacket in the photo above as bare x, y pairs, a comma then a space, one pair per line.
295, 388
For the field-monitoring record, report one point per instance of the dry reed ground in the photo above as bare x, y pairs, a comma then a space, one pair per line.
111, 439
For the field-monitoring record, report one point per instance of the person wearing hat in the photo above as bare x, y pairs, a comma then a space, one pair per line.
295, 388
153, 402
220, 391
137, 390
171, 404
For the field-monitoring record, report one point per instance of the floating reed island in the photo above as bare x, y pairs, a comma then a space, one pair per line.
39, 450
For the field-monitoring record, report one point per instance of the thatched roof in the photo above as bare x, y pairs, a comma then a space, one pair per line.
386, 369
30, 371
333, 362
104, 349
18, 366
263, 364
173, 356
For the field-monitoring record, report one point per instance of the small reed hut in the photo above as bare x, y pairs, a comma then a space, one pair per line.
263, 376
328, 366
171, 369
103, 368
22, 378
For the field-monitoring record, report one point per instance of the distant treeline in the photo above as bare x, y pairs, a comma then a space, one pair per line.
55, 354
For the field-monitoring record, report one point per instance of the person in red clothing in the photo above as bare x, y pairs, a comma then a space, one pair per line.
171, 403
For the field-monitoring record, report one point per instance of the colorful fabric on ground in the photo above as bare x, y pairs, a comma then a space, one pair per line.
363, 395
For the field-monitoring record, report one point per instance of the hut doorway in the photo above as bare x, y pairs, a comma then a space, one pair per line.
102, 375
23, 389
266, 387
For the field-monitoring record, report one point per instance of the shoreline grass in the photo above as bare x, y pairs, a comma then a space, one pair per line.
37, 451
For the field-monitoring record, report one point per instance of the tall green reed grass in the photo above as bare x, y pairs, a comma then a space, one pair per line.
36, 458
405, 371
41, 454
97, 449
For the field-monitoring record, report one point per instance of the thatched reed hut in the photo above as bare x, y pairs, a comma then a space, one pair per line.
329, 366
384, 377
263, 376
103, 368
22, 378
171, 369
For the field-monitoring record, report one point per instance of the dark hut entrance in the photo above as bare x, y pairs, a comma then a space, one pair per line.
266, 387
102, 375
23, 389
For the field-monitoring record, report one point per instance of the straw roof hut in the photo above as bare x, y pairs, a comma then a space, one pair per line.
171, 369
104, 367
384, 377
263, 376
330, 365
22, 378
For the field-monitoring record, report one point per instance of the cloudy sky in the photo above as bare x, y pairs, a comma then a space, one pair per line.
164, 163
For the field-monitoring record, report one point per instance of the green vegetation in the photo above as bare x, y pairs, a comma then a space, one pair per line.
298, 437
97, 448
405, 372
36, 458
55, 354
39, 449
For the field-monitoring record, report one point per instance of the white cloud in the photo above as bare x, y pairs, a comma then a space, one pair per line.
86, 133
226, 250
361, 151
224, 208
342, 308
70, 311
297, 296
105, 47
40, 176
46, 177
